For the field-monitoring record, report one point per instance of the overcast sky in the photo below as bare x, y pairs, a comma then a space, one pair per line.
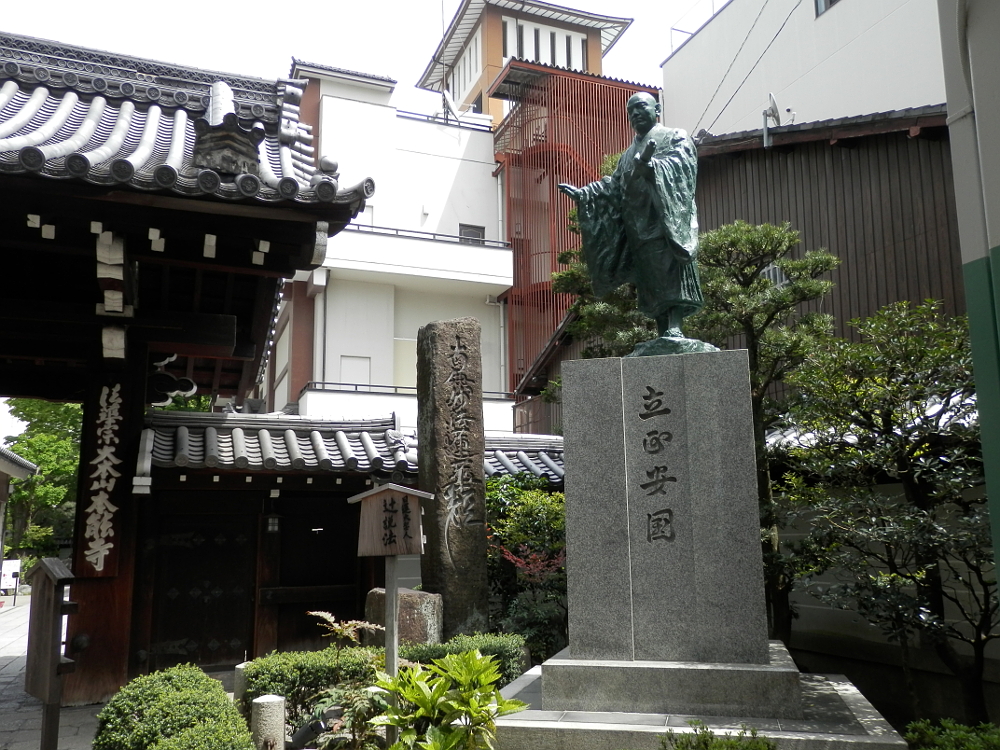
394, 38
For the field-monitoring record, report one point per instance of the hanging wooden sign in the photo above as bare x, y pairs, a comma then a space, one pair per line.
390, 521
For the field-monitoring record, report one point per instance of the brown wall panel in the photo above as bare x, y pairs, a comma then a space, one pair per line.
884, 204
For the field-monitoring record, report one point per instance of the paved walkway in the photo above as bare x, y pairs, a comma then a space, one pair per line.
20, 714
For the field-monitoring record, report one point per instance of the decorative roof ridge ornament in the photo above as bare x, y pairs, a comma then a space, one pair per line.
223, 146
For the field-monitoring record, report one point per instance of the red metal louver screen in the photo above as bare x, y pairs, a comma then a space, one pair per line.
559, 131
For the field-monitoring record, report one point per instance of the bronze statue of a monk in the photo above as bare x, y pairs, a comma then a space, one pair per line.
640, 225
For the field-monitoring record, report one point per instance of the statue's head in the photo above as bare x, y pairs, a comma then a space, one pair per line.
643, 110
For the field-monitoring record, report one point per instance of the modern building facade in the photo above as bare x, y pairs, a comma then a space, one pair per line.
818, 60
467, 221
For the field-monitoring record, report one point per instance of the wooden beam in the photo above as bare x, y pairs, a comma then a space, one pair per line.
192, 334
192, 205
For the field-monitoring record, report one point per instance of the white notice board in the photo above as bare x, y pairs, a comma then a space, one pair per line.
7, 580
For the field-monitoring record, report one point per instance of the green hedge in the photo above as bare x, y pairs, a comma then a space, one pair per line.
508, 648
950, 735
300, 675
180, 708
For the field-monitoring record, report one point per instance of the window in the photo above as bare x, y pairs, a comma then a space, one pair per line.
569, 51
505, 54
552, 48
520, 41
538, 44
824, 5
477, 105
774, 274
355, 370
471, 234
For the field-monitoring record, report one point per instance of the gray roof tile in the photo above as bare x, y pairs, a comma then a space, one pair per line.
72, 112
15, 466
288, 443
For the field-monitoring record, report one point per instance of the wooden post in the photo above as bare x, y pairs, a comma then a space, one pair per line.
391, 617
391, 636
390, 526
45, 663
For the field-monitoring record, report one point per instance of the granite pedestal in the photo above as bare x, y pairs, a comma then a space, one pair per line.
665, 576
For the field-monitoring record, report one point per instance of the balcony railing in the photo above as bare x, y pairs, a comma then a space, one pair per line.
440, 119
398, 390
433, 236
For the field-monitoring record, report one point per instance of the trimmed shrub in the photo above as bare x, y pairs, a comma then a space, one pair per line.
300, 676
162, 706
224, 733
506, 648
950, 735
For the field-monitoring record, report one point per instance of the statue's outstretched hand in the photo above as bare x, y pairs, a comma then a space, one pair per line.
642, 161
572, 192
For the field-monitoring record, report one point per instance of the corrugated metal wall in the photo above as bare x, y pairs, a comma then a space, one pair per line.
559, 131
885, 206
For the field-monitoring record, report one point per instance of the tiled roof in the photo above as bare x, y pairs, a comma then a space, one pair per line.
541, 455
467, 17
933, 115
13, 465
282, 442
71, 112
296, 63
518, 72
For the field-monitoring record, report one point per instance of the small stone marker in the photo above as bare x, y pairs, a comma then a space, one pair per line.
450, 424
267, 722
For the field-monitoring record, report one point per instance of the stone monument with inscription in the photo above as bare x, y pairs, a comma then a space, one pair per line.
452, 443
662, 530
665, 585
663, 555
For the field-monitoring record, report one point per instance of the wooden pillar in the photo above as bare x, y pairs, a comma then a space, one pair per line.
265, 635
104, 537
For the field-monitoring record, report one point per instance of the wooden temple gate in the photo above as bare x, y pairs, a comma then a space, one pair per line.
148, 215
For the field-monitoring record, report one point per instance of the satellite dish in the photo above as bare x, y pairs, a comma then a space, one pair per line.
772, 118
772, 112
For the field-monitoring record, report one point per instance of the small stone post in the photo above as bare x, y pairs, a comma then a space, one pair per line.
450, 422
267, 722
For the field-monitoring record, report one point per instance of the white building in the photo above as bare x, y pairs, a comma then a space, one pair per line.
426, 247
431, 244
820, 59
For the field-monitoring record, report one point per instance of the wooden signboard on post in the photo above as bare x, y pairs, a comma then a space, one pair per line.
390, 521
390, 526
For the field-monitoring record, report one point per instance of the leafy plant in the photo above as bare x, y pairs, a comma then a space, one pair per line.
452, 704
889, 461
704, 738
51, 441
302, 677
209, 735
347, 712
527, 558
950, 735
180, 708
506, 648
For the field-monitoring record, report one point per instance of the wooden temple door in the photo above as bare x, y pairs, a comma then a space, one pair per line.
203, 597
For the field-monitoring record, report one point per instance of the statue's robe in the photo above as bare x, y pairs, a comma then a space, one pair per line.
643, 228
